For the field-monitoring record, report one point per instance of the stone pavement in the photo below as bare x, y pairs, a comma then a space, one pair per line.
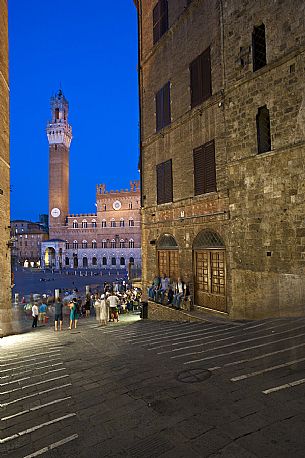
150, 389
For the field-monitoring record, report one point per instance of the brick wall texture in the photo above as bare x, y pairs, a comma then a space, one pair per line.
5, 261
258, 208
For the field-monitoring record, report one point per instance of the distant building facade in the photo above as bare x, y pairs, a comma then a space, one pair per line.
222, 103
5, 262
109, 238
26, 247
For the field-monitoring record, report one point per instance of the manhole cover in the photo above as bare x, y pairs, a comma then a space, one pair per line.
194, 375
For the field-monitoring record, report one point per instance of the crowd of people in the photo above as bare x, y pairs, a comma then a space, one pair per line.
106, 306
165, 291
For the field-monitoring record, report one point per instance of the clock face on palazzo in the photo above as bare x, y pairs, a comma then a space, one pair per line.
55, 212
117, 205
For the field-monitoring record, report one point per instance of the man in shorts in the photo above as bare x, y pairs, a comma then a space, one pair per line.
58, 314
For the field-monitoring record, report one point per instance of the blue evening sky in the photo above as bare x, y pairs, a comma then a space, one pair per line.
90, 48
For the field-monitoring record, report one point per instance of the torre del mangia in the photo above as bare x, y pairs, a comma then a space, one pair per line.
109, 238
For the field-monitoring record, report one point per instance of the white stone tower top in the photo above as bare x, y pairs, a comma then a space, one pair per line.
58, 130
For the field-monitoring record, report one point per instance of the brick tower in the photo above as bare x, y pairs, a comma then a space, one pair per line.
59, 136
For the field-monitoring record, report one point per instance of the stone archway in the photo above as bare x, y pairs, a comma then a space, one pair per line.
49, 257
209, 267
168, 256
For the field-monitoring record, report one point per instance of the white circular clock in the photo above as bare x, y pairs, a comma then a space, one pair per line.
117, 205
55, 212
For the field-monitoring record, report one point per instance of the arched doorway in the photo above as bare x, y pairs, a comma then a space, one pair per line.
168, 256
49, 257
209, 271
75, 261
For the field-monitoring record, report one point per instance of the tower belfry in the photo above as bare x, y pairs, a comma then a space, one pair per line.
59, 134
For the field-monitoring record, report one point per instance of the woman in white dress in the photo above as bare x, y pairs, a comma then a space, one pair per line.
103, 311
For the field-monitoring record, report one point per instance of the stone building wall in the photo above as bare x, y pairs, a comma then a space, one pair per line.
5, 261
258, 209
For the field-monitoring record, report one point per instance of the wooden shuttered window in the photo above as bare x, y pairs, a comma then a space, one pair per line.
160, 20
201, 81
163, 107
164, 182
204, 168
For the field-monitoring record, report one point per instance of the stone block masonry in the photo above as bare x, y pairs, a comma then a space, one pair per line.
5, 258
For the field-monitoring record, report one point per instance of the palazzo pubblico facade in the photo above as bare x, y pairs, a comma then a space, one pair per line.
109, 238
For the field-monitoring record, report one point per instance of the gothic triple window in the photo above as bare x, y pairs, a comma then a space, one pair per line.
84, 224
112, 244
67, 245
131, 243
94, 244
104, 223
122, 243
75, 224
131, 222
112, 223
75, 244
93, 223
122, 222
104, 243
84, 244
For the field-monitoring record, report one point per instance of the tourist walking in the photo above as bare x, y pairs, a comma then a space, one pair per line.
74, 315
58, 314
35, 315
88, 306
113, 302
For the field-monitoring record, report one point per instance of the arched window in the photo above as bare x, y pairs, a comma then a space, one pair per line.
104, 243
84, 244
84, 224
94, 244
104, 223
168, 256
67, 245
112, 244
93, 223
75, 244
122, 222
130, 205
122, 243
75, 224
67, 261
112, 223
131, 243
85, 261
122, 261
94, 261
56, 114
113, 261
104, 261
131, 260
131, 222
